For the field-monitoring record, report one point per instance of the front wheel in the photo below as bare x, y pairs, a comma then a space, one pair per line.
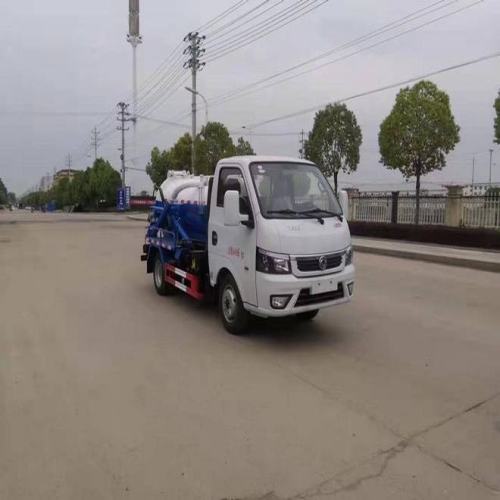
234, 316
161, 286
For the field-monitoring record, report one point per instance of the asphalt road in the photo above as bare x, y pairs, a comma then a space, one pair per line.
110, 391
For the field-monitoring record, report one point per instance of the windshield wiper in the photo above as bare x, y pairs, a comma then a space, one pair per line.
309, 214
284, 211
327, 212
306, 213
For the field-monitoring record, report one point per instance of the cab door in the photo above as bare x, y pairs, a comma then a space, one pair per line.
232, 247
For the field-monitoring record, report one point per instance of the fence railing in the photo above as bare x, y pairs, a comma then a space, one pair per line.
481, 211
465, 211
432, 210
371, 209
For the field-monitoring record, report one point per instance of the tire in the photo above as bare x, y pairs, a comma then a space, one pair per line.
234, 316
161, 286
308, 315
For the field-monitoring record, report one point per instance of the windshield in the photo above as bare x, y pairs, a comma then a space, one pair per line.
293, 191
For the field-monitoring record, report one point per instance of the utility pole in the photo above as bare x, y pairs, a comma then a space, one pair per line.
302, 141
491, 159
123, 117
95, 141
68, 164
194, 51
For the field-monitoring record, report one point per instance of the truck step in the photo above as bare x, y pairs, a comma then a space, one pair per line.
187, 282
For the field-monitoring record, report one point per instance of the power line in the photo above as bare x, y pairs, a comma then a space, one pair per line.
356, 41
222, 15
231, 39
232, 26
252, 88
263, 31
379, 89
166, 122
231, 23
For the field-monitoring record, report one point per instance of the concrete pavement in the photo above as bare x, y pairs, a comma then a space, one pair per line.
110, 391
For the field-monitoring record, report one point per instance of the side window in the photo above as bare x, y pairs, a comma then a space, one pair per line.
230, 178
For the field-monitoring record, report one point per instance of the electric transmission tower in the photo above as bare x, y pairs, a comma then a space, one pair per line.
123, 118
95, 141
194, 51
69, 161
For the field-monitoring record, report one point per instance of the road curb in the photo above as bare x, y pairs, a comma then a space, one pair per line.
428, 257
139, 218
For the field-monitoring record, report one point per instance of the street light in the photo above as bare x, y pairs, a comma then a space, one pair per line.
195, 92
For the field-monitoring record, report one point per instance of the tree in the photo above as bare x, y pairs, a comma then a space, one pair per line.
213, 143
158, 165
78, 193
243, 148
3, 193
11, 198
334, 142
497, 119
418, 133
103, 181
180, 153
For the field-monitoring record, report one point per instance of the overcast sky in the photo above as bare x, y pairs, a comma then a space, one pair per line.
65, 56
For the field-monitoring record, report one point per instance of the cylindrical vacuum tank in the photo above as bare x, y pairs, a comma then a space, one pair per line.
182, 187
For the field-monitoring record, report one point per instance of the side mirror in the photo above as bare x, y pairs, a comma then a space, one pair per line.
232, 216
344, 202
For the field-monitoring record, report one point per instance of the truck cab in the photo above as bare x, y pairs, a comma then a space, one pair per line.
276, 240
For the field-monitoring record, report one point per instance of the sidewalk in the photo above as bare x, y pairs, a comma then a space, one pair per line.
464, 257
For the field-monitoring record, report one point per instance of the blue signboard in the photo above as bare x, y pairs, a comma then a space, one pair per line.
123, 198
127, 197
120, 199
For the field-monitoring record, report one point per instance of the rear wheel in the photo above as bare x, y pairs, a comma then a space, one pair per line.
234, 316
161, 286
308, 315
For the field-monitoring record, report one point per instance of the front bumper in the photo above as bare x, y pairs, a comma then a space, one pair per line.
307, 294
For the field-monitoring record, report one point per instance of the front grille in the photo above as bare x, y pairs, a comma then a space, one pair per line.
306, 299
310, 264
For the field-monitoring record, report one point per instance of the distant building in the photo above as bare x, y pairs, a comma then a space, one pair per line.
478, 189
67, 173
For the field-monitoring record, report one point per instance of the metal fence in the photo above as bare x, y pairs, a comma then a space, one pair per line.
466, 211
432, 210
481, 211
370, 208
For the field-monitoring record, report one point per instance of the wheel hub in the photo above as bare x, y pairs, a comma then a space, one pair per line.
158, 274
229, 304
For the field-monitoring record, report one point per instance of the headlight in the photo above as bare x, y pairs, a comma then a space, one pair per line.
272, 263
349, 255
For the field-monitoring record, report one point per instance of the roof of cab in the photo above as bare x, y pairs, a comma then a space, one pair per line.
246, 160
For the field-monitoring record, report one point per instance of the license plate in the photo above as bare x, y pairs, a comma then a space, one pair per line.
324, 286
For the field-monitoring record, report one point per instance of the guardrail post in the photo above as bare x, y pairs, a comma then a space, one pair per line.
394, 208
352, 195
453, 213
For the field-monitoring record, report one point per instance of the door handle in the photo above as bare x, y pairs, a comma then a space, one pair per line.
214, 238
